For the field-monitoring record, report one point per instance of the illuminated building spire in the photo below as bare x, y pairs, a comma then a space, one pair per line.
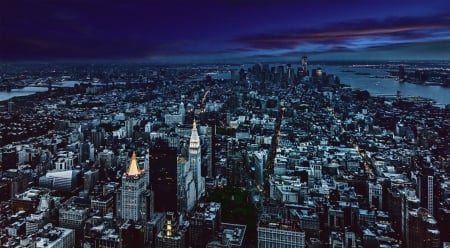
194, 142
195, 161
133, 168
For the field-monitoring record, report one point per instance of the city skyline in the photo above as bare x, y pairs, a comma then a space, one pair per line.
224, 31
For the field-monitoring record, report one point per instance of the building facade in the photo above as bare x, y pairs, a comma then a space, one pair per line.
134, 200
196, 161
163, 175
281, 236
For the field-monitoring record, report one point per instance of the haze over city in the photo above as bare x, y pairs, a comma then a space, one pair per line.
224, 31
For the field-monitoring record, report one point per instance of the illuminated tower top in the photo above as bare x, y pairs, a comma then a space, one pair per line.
133, 168
194, 142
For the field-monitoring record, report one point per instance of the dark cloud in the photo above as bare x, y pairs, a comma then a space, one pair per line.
339, 34
156, 28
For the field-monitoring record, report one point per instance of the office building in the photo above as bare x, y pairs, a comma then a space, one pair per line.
186, 191
103, 203
375, 195
195, 159
134, 201
72, 217
204, 223
426, 189
65, 181
163, 175
422, 230
282, 234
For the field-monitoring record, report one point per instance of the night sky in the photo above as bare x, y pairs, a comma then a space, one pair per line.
223, 30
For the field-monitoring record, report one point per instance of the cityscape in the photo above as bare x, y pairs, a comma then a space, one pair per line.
224, 124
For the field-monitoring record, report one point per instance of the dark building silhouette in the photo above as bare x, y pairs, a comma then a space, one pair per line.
204, 223
422, 230
131, 235
9, 160
97, 137
163, 176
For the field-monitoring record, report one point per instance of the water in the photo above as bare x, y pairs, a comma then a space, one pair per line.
20, 92
31, 90
387, 86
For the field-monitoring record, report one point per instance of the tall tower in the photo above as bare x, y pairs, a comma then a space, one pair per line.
426, 189
163, 175
186, 191
289, 73
182, 111
305, 64
195, 160
135, 200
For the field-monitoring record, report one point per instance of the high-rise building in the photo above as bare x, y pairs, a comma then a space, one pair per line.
134, 201
259, 159
375, 194
422, 230
129, 126
163, 175
98, 137
9, 159
208, 143
204, 223
426, 187
289, 73
409, 202
173, 235
182, 111
132, 235
195, 160
186, 191
86, 152
305, 64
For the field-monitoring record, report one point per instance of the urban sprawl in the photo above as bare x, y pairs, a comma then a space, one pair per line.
286, 155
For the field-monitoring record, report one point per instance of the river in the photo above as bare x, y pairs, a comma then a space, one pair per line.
6, 95
375, 83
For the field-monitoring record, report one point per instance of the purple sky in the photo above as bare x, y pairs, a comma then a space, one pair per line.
223, 30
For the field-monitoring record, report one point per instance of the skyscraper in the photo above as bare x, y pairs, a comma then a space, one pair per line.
134, 201
186, 191
195, 160
375, 194
163, 175
305, 64
426, 189
422, 229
